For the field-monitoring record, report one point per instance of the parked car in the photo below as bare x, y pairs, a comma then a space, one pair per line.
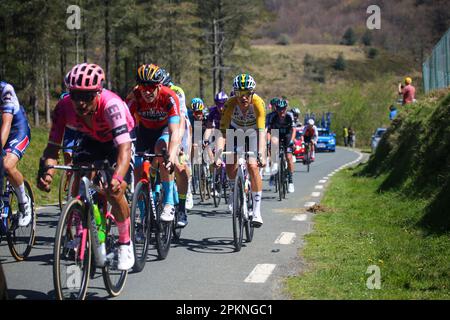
376, 137
299, 146
326, 141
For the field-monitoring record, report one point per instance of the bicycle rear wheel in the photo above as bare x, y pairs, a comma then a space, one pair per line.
70, 269
21, 239
238, 216
140, 225
113, 278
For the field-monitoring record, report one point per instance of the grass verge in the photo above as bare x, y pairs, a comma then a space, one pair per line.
29, 166
375, 228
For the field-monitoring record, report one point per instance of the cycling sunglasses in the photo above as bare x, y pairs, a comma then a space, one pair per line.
245, 93
88, 96
148, 87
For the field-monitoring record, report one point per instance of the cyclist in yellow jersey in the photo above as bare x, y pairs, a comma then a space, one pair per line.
246, 110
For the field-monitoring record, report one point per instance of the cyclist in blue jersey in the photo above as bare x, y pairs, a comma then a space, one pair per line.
15, 136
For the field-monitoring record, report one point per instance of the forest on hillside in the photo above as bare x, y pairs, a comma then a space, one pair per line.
412, 26
193, 39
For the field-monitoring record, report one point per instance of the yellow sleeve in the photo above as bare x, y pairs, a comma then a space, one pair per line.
260, 112
225, 120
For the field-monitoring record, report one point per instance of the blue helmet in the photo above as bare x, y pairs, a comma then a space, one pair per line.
280, 104
197, 105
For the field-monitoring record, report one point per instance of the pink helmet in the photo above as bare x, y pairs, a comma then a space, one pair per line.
86, 77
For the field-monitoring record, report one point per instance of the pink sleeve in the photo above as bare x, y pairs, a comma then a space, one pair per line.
58, 124
116, 116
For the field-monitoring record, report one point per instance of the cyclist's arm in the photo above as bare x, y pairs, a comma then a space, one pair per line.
7, 119
260, 112
292, 128
225, 122
123, 159
173, 106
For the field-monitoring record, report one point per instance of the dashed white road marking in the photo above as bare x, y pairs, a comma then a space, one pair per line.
285, 238
260, 273
309, 204
300, 217
315, 194
322, 181
318, 187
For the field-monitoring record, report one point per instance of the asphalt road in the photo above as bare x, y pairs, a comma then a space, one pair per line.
203, 264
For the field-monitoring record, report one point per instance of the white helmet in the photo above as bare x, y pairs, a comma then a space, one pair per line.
311, 122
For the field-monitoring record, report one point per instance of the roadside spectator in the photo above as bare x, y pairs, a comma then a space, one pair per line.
392, 112
345, 136
351, 137
408, 92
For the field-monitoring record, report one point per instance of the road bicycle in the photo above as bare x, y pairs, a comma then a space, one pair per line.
308, 155
78, 240
281, 177
242, 202
219, 184
20, 239
146, 209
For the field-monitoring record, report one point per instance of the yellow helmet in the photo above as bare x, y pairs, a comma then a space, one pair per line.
149, 74
408, 80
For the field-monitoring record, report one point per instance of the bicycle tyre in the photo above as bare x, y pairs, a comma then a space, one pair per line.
249, 228
217, 186
140, 247
238, 219
28, 233
163, 230
194, 179
280, 183
114, 287
73, 210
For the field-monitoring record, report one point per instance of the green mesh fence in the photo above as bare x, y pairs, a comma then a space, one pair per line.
436, 69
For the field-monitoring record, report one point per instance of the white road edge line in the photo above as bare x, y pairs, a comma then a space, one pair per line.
309, 204
300, 217
286, 238
318, 187
260, 273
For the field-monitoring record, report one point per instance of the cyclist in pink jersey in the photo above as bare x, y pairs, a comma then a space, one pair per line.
107, 127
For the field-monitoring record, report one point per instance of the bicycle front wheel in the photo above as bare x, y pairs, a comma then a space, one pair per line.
21, 239
72, 253
113, 278
65, 188
163, 230
140, 225
238, 214
249, 228
217, 186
